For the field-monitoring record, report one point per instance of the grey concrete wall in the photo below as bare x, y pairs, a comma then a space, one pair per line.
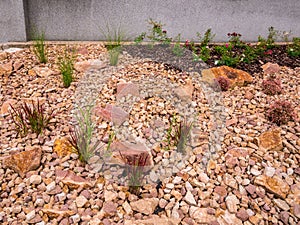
84, 19
12, 22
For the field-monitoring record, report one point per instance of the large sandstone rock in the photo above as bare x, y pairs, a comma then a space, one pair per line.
112, 113
89, 64
125, 89
236, 77
274, 185
24, 162
72, 180
270, 68
145, 206
154, 221
6, 69
200, 215
270, 141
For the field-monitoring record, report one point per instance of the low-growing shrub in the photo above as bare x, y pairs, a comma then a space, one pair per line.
272, 86
281, 112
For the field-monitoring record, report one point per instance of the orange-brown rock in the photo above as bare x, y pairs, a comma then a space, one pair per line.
270, 141
236, 77
24, 162
153, 220
3, 55
63, 147
43, 71
274, 185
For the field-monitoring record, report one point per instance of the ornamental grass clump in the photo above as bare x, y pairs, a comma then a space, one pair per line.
32, 118
272, 86
39, 47
66, 67
81, 137
135, 168
281, 112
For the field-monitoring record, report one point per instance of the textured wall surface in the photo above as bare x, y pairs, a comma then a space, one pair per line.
12, 22
84, 19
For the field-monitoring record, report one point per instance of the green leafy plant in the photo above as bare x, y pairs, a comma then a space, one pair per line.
228, 57
140, 38
177, 49
207, 37
39, 47
182, 134
66, 67
235, 39
294, 49
135, 168
281, 112
267, 44
156, 34
81, 137
272, 86
32, 117
249, 54
204, 51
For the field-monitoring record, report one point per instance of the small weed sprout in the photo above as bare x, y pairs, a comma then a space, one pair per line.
81, 137
281, 112
30, 117
140, 38
39, 47
135, 170
157, 34
66, 67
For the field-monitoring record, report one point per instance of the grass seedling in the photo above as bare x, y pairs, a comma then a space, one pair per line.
182, 134
39, 47
66, 67
135, 170
30, 117
81, 137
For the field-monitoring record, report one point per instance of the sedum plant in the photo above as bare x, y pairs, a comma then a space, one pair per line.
272, 86
223, 83
32, 118
281, 112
